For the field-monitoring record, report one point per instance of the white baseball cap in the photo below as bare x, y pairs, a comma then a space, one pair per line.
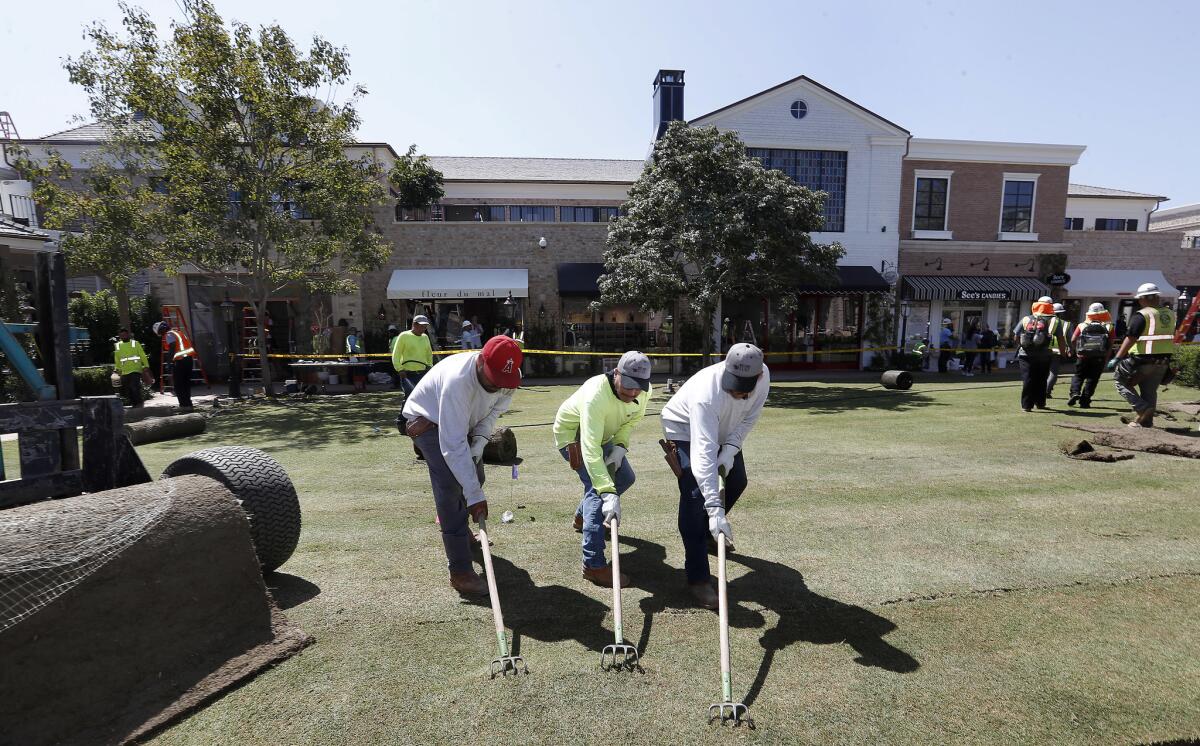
466, 324
422, 319
947, 321
1147, 289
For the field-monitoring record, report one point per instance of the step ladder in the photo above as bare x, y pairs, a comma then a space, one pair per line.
437, 213
252, 363
173, 315
1188, 318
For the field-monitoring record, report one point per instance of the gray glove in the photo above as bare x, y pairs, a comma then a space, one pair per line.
615, 456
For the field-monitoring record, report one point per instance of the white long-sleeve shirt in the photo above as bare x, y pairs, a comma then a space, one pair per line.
451, 396
708, 416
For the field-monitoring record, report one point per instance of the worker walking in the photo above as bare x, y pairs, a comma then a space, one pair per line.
450, 415
591, 431
1145, 354
130, 362
179, 347
1037, 334
1092, 342
706, 424
1057, 358
412, 354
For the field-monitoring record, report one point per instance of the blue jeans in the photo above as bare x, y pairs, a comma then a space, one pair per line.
450, 503
590, 508
410, 381
693, 518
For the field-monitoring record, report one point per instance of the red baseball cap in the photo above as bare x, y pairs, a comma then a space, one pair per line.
502, 361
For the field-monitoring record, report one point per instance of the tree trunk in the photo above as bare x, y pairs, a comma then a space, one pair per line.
124, 313
260, 323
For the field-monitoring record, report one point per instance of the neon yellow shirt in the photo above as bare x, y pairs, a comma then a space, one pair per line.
595, 416
412, 352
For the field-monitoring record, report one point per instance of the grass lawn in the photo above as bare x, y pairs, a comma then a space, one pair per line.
913, 567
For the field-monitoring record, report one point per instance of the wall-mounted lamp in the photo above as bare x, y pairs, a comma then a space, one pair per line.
937, 261
542, 311
542, 242
986, 262
1029, 268
381, 313
509, 300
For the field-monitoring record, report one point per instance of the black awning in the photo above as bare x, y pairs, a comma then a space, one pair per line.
853, 278
960, 287
579, 278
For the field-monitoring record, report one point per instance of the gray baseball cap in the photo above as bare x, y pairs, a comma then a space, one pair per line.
634, 368
422, 319
743, 366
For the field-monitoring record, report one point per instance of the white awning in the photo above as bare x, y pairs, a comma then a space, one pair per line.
1115, 283
436, 284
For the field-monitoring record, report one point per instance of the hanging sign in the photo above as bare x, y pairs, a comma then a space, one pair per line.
1058, 279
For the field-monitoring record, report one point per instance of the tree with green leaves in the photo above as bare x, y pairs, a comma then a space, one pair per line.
704, 220
255, 154
108, 215
414, 180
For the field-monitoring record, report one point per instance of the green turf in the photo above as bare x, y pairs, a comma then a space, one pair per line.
913, 567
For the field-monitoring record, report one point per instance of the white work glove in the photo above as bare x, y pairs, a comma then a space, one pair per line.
478, 443
610, 506
718, 524
725, 458
615, 457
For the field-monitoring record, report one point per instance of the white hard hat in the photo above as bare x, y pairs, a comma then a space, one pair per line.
1096, 308
1146, 289
1060, 308
1045, 299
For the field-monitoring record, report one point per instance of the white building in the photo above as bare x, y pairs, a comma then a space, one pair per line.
1091, 208
1184, 219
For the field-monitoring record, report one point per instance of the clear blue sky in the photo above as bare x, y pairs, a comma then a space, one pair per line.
572, 78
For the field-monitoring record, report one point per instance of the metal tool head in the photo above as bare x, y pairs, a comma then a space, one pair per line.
506, 664
619, 657
735, 713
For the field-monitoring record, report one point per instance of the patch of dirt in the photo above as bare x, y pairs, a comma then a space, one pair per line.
1082, 450
1148, 440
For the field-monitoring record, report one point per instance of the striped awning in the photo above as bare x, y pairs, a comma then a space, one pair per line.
961, 287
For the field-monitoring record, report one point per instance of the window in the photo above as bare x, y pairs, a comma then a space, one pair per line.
1016, 215
1073, 224
929, 210
823, 170
473, 213
799, 109
531, 214
1116, 224
411, 214
587, 214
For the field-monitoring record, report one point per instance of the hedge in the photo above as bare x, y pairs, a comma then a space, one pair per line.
1187, 359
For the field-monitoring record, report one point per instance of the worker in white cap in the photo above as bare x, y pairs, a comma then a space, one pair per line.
1058, 356
706, 424
412, 355
1145, 354
470, 336
946, 343
592, 431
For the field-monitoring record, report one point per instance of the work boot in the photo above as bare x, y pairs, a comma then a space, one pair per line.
1073, 400
704, 594
468, 583
602, 576
1145, 417
577, 524
1085, 403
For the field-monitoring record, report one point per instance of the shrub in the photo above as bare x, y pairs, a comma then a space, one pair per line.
1187, 359
95, 380
97, 312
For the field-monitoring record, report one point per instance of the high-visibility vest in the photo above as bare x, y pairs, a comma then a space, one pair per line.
1159, 337
129, 357
183, 345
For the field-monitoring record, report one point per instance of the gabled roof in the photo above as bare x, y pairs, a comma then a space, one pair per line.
804, 78
1083, 190
593, 170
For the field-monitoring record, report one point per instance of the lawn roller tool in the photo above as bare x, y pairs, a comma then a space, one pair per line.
505, 662
620, 654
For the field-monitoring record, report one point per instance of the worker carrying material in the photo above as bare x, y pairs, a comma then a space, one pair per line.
450, 414
1145, 354
131, 364
1039, 335
182, 354
591, 431
412, 354
1093, 343
706, 424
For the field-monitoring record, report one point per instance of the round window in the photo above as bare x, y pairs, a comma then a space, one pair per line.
799, 109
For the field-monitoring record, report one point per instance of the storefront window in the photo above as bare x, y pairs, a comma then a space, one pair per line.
1007, 318
821, 330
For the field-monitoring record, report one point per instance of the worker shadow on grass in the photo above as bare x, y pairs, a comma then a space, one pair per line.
835, 399
804, 616
290, 590
549, 613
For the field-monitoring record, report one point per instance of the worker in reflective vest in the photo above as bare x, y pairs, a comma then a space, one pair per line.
1145, 354
179, 347
130, 362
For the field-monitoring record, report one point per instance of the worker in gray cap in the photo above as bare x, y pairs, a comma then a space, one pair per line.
412, 355
706, 424
591, 431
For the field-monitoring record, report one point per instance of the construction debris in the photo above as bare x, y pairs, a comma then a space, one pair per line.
1148, 440
1082, 450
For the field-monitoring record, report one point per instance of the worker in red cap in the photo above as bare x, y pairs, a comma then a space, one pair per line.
450, 415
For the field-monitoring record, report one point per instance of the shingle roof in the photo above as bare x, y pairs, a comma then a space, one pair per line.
1175, 212
12, 229
1083, 190
456, 168
90, 132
